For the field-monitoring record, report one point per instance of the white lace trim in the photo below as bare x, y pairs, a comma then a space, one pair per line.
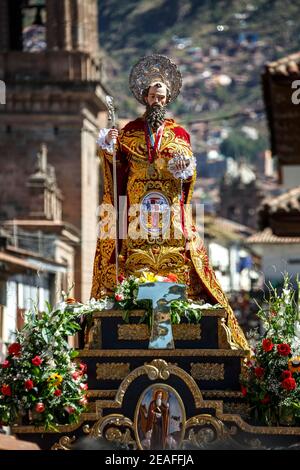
187, 173
101, 142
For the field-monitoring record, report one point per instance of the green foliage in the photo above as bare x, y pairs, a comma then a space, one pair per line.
39, 382
238, 145
271, 377
129, 30
188, 309
126, 299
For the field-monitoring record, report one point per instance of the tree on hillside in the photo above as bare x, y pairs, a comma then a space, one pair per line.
238, 145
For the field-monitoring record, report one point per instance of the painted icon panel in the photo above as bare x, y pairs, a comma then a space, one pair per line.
159, 418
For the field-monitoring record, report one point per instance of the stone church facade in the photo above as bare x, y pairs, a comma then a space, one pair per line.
55, 97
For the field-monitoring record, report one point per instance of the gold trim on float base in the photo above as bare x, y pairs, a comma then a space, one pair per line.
112, 370
117, 313
223, 341
160, 369
222, 393
161, 352
185, 332
274, 430
93, 335
101, 393
133, 332
214, 312
141, 332
197, 436
207, 371
236, 408
64, 443
205, 393
113, 433
60, 428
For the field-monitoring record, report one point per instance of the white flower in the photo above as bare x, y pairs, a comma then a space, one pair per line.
295, 346
286, 294
297, 329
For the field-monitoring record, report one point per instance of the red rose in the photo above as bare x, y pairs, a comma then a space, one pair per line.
244, 390
36, 361
265, 400
57, 392
259, 372
121, 278
14, 349
83, 367
283, 349
83, 401
6, 390
28, 384
289, 384
267, 345
70, 409
40, 407
286, 374
5, 364
83, 386
119, 297
76, 375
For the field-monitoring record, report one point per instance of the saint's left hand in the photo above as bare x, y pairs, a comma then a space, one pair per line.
182, 164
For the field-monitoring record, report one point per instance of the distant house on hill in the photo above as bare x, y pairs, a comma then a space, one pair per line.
278, 241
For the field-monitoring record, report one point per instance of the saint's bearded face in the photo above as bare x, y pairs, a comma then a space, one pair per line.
159, 399
156, 101
155, 115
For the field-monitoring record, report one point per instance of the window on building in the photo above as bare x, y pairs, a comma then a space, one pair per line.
27, 24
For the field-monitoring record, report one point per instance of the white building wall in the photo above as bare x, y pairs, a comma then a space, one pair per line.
234, 275
10, 312
279, 258
219, 259
23, 296
290, 176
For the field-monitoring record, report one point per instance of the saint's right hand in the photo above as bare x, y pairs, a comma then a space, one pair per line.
111, 135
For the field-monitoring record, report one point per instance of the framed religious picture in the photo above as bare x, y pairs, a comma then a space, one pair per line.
159, 418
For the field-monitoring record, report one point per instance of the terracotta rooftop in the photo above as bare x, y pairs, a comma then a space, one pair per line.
230, 225
286, 202
288, 65
220, 228
267, 237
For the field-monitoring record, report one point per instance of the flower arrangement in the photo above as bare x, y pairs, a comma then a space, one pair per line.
126, 299
271, 377
39, 379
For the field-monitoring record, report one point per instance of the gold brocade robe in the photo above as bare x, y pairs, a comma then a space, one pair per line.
187, 258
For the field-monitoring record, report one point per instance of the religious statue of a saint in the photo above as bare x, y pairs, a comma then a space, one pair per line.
155, 174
